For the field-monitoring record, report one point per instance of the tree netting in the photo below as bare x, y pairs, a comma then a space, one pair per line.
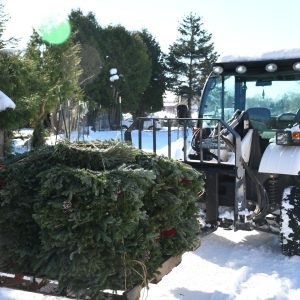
95, 216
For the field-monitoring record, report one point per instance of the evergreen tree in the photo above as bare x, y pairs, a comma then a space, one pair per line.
190, 59
11, 83
14, 82
54, 75
126, 52
88, 33
152, 98
117, 48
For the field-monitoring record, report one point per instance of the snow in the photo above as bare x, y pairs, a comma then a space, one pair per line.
226, 213
285, 230
9, 294
242, 265
6, 102
232, 265
278, 54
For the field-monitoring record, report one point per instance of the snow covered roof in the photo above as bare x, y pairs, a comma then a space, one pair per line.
278, 54
6, 102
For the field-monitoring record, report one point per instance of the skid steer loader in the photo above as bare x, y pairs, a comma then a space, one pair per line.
246, 141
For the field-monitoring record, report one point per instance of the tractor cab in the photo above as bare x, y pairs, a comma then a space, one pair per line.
267, 90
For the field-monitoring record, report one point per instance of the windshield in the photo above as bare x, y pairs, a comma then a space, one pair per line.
271, 102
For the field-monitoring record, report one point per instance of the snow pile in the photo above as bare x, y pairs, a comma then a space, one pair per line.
6, 102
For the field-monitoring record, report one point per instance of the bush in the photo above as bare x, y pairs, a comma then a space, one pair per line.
95, 215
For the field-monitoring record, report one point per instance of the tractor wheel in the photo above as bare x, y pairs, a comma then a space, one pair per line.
289, 221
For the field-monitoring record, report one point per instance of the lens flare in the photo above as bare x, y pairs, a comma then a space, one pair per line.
55, 31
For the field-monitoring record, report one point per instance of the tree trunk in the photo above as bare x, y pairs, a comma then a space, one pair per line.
1, 143
189, 104
114, 116
54, 120
38, 137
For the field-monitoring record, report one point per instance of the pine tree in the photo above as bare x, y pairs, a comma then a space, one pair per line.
190, 59
152, 98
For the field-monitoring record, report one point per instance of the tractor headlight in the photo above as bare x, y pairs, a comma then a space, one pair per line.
241, 69
296, 66
218, 70
283, 138
288, 137
271, 67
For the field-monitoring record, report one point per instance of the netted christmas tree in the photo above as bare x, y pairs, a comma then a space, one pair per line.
95, 215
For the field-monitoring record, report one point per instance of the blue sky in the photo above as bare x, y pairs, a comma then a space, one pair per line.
239, 27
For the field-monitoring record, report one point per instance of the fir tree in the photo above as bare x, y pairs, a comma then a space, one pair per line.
152, 98
190, 59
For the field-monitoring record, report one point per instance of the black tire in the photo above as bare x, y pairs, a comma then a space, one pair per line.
290, 221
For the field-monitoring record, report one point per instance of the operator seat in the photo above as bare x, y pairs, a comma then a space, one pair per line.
260, 117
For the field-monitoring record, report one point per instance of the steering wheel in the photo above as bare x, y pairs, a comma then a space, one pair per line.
286, 117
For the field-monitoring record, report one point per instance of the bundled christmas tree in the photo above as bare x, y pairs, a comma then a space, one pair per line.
95, 215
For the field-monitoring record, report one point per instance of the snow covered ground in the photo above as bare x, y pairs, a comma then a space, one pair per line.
232, 265
228, 265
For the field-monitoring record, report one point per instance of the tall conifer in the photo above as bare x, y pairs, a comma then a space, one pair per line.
190, 58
